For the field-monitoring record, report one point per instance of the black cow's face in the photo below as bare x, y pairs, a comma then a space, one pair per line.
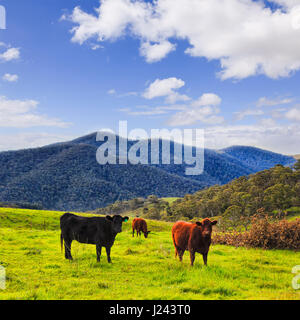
117, 222
146, 234
206, 226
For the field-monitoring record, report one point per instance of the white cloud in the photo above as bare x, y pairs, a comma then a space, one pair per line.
293, 114
206, 115
246, 113
10, 54
286, 3
155, 52
266, 135
266, 102
267, 122
166, 88
204, 109
152, 112
26, 140
111, 91
247, 37
10, 77
128, 94
21, 114
95, 47
207, 99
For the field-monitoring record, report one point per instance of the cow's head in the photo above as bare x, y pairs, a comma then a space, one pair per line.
146, 234
206, 226
117, 222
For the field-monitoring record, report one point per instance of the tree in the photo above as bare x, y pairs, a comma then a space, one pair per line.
231, 219
297, 165
278, 197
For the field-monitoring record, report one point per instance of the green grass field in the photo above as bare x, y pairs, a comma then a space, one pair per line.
141, 268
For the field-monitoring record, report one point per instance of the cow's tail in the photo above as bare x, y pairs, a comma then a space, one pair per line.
61, 242
174, 245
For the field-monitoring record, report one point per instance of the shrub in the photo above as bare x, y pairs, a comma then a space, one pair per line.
264, 234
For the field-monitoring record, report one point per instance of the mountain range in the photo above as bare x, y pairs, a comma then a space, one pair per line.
67, 176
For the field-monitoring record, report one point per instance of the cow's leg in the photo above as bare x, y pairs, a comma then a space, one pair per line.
98, 250
68, 249
180, 254
132, 232
192, 257
205, 258
176, 253
108, 254
177, 250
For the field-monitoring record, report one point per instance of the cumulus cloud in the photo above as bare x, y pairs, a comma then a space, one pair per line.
207, 99
10, 54
204, 109
157, 51
246, 36
266, 134
286, 3
246, 113
10, 77
21, 114
25, 140
166, 88
266, 102
206, 115
293, 114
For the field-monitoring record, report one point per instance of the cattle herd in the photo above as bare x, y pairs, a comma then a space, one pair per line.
102, 231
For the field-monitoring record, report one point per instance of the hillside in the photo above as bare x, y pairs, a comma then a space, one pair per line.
66, 176
256, 158
276, 190
297, 156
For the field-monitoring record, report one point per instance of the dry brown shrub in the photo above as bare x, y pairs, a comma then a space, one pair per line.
265, 234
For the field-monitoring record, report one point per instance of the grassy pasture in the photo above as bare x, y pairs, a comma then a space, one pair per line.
141, 268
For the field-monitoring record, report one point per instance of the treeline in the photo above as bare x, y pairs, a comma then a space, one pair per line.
21, 205
275, 189
151, 207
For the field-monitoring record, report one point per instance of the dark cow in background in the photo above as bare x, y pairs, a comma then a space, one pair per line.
140, 225
100, 231
194, 237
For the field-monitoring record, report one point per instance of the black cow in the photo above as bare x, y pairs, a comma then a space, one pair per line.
96, 230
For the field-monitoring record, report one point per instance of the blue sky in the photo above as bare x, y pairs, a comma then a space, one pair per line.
230, 67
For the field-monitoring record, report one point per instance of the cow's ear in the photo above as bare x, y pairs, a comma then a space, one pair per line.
109, 218
125, 219
214, 222
198, 223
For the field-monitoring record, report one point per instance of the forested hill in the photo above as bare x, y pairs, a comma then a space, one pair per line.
66, 176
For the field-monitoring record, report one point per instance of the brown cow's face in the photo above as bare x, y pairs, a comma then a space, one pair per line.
117, 222
206, 226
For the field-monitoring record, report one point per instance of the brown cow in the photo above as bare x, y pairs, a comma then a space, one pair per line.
140, 225
195, 237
